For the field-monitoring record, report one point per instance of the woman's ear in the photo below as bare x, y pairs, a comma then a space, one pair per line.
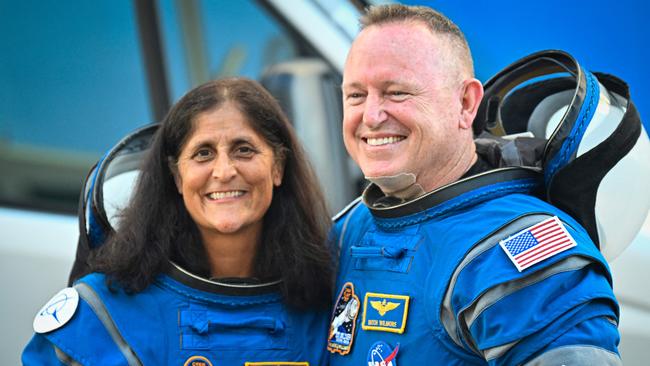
278, 172
173, 167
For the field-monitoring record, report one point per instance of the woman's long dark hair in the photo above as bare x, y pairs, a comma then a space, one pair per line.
156, 227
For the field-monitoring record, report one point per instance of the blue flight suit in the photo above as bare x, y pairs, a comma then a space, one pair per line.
182, 320
436, 287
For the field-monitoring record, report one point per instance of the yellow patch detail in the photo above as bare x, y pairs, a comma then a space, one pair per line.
197, 361
383, 305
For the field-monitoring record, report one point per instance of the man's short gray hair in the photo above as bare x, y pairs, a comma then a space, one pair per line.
437, 23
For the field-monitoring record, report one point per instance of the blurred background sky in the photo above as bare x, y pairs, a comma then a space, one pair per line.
72, 68
606, 36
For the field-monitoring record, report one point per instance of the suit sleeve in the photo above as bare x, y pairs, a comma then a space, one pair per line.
561, 307
39, 351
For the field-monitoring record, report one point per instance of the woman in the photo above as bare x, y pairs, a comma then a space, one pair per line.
220, 257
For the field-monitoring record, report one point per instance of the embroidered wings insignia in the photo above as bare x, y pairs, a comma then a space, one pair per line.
383, 307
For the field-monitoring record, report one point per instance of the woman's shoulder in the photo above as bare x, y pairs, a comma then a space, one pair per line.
95, 279
67, 304
95, 317
67, 320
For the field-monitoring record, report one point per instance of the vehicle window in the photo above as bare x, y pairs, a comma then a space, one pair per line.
74, 81
208, 39
71, 85
241, 40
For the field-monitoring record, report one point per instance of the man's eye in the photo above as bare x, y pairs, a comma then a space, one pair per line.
354, 98
397, 94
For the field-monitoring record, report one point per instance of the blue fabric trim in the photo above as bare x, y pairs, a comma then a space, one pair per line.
464, 200
376, 252
96, 235
597, 333
581, 326
209, 328
541, 305
571, 143
86, 340
235, 301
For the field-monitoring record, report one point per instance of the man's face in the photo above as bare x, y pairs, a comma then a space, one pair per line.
402, 102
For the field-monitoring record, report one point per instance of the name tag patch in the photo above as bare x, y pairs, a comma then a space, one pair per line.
385, 312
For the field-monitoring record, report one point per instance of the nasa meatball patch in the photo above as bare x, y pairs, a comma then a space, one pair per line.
382, 354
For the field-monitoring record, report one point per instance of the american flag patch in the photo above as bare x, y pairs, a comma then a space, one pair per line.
538, 242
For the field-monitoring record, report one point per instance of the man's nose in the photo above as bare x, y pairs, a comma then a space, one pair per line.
223, 168
374, 113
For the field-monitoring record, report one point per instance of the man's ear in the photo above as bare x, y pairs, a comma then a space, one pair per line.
470, 101
173, 167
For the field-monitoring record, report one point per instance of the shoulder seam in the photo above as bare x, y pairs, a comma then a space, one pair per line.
346, 209
345, 227
64, 358
97, 305
447, 316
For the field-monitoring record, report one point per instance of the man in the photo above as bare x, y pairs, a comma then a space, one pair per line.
433, 249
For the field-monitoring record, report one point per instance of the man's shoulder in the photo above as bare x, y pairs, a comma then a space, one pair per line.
525, 268
520, 205
347, 209
519, 202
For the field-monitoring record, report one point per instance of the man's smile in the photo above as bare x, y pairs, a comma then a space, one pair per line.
383, 140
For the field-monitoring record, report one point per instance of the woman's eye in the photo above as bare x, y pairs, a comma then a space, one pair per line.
244, 151
203, 154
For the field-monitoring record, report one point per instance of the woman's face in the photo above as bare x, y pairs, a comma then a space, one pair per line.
226, 173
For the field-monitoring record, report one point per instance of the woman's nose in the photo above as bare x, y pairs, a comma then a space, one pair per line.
223, 168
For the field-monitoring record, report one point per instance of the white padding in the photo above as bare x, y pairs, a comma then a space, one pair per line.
548, 114
117, 192
623, 199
